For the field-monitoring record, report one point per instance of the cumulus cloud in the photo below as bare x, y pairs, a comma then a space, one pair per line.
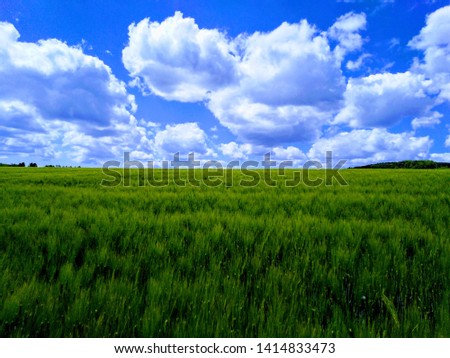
434, 41
235, 150
248, 151
259, 123
18, 117
346, 31
356, 65
440, 157
61, 81
183, 138
382, 100
55, 98
285, 85
364, 146
290, 84
291, 153
272, 90
427, 121
176, 60
291, 65
269, 88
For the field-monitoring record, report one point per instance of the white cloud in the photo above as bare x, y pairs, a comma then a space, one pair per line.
235, 150
267, 88
290, 83
447, 141
176, 60
263, 124
291, 153
55, 100
246, 151
18, 116
382, 100
276, 87
434, 40
61, 81
394, 42
427, 121
440, 157
291, 65
345, 31
372, 146
183, 138
355, 65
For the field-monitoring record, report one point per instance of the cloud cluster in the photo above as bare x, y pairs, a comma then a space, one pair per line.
56, 101
277, 91
382, 100
429, 121
440, 157
176, 60
54, 96
247, 151
287, 85
183, 138
434, 41
363, 146
272, 87
235, 150
346, 31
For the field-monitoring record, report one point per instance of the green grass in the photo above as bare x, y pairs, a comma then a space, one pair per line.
371, 259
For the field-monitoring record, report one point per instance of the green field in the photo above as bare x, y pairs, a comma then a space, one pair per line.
371, 259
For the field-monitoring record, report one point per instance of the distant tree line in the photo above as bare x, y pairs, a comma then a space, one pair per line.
22, 164
34, 165
61, 166
407, 164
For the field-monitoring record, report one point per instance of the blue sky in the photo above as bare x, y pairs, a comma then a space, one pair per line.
81, 82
